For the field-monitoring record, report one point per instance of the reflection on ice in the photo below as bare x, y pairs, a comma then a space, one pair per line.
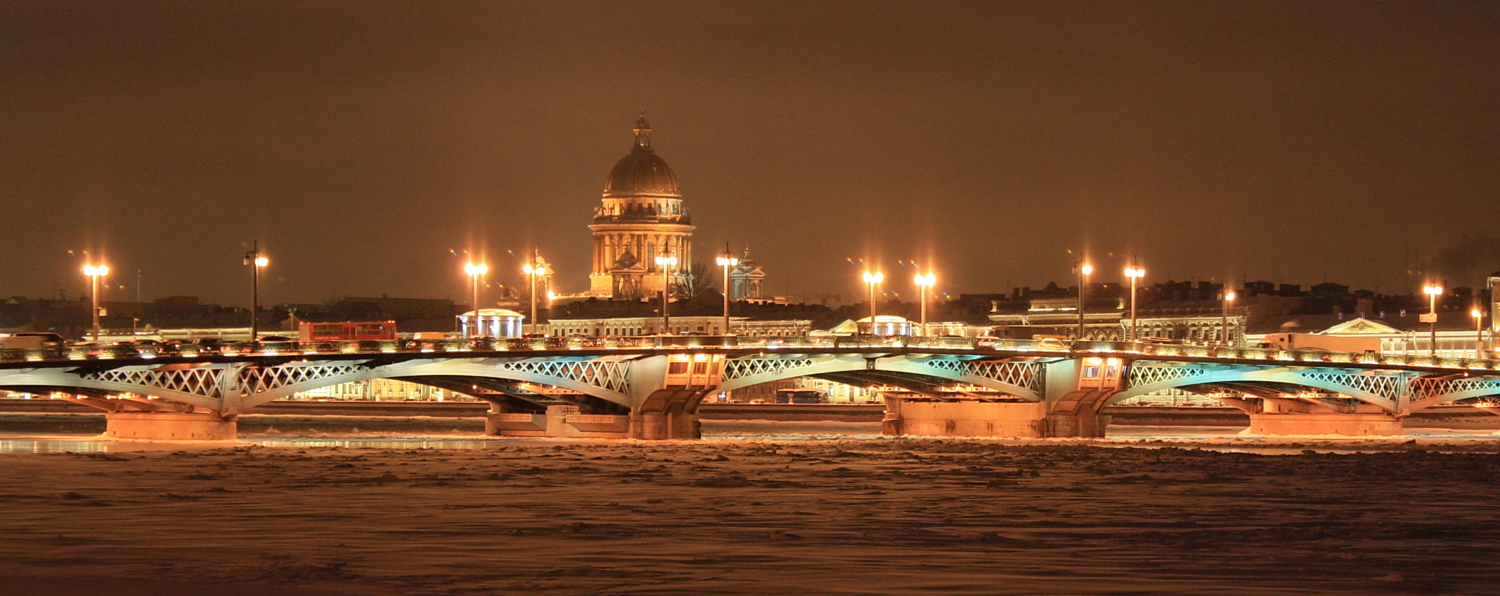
53, 446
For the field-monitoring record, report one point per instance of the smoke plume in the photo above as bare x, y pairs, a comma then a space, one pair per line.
1477, 253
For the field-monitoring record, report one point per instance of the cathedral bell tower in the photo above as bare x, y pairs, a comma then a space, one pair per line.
641, 217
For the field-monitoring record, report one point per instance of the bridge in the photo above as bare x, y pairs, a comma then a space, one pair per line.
651, 387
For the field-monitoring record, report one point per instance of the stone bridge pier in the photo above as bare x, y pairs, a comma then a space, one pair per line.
1298, 417
1058, 397
659, 399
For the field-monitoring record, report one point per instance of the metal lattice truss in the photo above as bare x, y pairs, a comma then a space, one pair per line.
236, 387
1388, 386
609, 374
202, 381
1388, 389
1023, 379
743, 368
1028, 374
253, 380
1141, 375
1431, 391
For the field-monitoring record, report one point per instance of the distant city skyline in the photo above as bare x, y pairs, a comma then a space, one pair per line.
368, 146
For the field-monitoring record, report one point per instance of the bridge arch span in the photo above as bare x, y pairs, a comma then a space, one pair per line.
73, 386
1384, 391
1020, 378
606, 379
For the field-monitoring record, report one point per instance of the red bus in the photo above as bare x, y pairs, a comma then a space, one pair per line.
308, 332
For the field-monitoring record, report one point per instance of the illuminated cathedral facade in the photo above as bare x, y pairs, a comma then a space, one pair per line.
641, 218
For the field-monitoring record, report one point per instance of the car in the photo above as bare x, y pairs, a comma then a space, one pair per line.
364, 345
31, 340
482, 343
1051, 342
207, 345
150, 347
275, 343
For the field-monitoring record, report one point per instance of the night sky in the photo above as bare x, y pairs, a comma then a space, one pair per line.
363, 142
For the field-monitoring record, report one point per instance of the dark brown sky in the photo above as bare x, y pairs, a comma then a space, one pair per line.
361, 141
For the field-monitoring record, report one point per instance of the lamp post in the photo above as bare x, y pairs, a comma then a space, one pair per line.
666, 262
533, 269
1084, 270
1224, 315
1432, 293
924, 285
255, 261
873, 279
1134, 273
94, 273
1478, 332
475, 271
726, 260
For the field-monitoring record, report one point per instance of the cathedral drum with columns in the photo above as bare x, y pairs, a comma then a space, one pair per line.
641, 219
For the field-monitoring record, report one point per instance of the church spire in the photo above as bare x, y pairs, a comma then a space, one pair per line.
642, 133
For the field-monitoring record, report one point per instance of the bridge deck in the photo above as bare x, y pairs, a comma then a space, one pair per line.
276, 353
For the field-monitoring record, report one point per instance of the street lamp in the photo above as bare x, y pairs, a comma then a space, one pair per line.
1084, 271
1478, 332
1224, 315
873, 279
255, 261
475, 271
666, 262
94, 273
1134, 273
1432, 293
533, 269
925, 283
726, 260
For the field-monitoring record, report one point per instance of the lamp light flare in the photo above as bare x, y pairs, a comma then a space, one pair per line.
726, 260
474, 270
94, 272
666, 261
1432, 292
532, 270
1084, 271
1134, 273
873, 279
925, 282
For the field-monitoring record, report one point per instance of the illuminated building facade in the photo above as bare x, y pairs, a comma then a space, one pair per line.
641, 218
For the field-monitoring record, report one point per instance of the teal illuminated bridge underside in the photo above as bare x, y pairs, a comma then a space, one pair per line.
646, 382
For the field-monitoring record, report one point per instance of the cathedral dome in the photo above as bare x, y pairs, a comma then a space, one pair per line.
642, 172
